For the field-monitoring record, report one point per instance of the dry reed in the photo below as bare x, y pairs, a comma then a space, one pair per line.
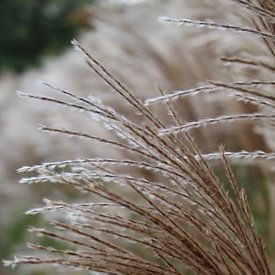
184, 220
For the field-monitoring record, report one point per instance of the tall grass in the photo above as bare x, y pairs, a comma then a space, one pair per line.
179, 216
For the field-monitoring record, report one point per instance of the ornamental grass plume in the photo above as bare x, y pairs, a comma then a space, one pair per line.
178, 218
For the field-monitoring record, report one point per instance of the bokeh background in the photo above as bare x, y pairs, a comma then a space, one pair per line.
144, 53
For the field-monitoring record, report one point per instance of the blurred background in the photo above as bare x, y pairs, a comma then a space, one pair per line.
145, 54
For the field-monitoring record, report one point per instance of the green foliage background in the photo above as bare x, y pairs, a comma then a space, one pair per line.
31, 29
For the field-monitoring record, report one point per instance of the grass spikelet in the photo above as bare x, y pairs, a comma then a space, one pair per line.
214, 25
210, 121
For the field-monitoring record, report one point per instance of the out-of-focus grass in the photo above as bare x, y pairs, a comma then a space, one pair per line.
15, 233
